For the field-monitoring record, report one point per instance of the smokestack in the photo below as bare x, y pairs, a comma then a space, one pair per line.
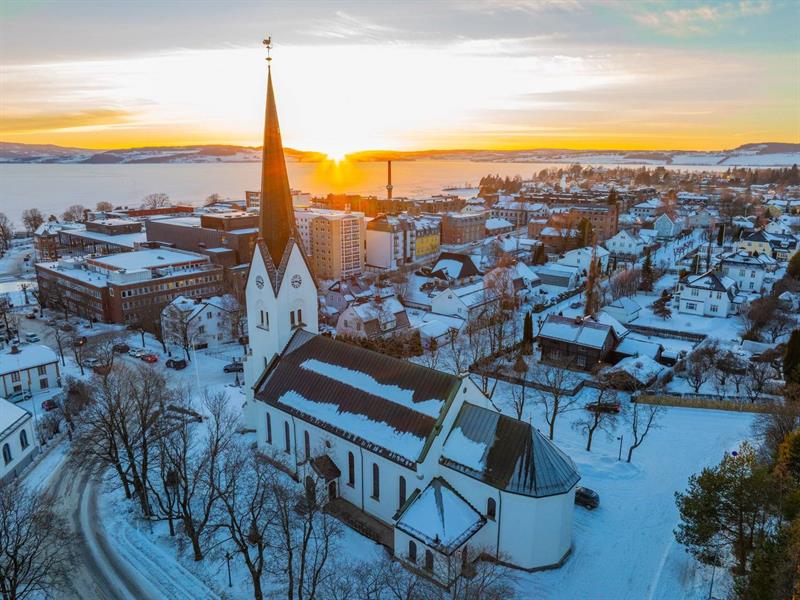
389, 184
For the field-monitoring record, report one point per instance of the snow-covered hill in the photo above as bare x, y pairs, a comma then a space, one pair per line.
749, 155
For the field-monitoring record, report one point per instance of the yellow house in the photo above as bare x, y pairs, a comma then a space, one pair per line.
428, 238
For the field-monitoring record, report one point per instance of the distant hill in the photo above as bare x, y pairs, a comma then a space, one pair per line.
764, 154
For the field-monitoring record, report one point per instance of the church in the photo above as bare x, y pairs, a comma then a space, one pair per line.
422, 453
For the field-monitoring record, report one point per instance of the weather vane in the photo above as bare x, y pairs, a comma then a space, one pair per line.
268, 43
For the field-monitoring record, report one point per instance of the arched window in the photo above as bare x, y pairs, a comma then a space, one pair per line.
269, 429
351, 470
23, 439
491, 508
412, 551
376, 482
6, 453
428, 560
307, 445
287, 439
299, 316
402, 488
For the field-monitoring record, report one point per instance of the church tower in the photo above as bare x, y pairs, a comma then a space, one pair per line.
281, 292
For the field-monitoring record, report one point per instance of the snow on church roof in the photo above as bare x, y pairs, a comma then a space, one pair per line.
517, 458
386, 405
440, 518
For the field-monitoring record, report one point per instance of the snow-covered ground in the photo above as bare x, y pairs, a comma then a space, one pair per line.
626, 547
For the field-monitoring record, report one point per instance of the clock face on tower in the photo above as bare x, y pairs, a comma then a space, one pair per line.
259, 281
296, 281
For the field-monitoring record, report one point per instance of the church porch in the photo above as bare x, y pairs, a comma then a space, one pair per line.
357, 519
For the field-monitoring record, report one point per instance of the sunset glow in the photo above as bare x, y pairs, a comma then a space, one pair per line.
369, 78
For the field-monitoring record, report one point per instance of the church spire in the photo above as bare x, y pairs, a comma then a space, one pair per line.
276, 221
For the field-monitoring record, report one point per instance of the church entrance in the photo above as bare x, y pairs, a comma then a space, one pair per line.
331, 490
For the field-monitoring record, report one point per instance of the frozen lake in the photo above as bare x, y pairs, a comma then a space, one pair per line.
53, 187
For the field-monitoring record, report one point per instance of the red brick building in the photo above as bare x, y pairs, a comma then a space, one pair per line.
463, 228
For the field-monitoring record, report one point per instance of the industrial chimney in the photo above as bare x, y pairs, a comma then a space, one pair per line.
389, 184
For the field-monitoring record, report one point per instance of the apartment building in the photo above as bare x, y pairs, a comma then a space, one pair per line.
391, 241
337, 245
463, 227
126, 287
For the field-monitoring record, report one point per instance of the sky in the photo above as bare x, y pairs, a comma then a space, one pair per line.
402, 75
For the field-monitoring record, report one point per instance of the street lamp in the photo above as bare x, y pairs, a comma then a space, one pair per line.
619, 456
228, 560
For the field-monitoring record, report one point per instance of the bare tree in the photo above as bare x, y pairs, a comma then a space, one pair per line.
104, 206
518, 395
641, 419
779, 325
456, 351
234, 315
179, 328
430, 353
245, 486
6, 233
556, 385
156, 200
34, 544
758, 374
31, 219
193, 462
74, 214
599, 416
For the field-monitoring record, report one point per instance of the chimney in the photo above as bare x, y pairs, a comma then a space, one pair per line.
389, 183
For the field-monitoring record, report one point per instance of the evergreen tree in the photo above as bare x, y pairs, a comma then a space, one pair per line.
527, 334
696, 264
539, 257
661, 309
593, 291
585, 231
647, 275
793, 270
721, 234
791, 360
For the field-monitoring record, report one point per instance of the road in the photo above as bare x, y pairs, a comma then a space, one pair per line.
97, 572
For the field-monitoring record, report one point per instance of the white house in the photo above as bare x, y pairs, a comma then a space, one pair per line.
747, 270
667, 227
623, 309
709, 294
646, 209
468, 302
581, 258
625, 243
17, 440
28, 368
371, 318
421, 451
202, 323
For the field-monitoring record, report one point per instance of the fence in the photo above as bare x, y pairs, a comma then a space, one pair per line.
667, 333
701, 401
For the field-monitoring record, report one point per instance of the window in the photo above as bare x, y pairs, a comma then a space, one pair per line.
402, 494
42, 369
6, 453
307, 445
691, 306
714, 308
43, 384
264, 320
491, 509
23, 439
299, 316
351, 470
428, 560
291, 318
15, 376
286, 438
376, 482
269, 429
412, 551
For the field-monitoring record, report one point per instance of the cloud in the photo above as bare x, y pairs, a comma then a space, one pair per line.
35, 122
349, 27
700, 19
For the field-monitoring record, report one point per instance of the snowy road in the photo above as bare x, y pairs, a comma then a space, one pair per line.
97, 572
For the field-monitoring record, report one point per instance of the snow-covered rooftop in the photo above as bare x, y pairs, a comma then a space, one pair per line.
29, 356
10, 415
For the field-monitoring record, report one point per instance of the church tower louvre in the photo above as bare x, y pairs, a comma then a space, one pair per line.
281, 291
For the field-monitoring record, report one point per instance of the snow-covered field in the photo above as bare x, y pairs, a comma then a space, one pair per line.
626, 547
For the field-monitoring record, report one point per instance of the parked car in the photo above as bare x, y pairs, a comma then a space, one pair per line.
91, 362
234, 367
32, 337
49, 405
30, 315
577, 304
587, 498
149, 358
19, 396
136, 352
609, 407
102, 369
66, 327
176, 363
121, 348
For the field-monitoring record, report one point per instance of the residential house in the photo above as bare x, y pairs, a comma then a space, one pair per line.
666, 227
625, 244
575, 342
623, 309
28, 368
581, 258
747, 270
710, 294
202, 322
371, 318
